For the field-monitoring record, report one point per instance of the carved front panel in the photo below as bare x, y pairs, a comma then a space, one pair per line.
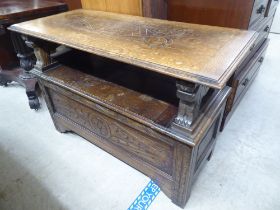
140, 146
130, 101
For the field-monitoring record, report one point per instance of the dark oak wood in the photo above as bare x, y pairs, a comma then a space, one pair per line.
154, 8
191, 96
118, 105
13, 51
145, 8
8, 58
254, 15
113, 95
13, 11
271, 8
201, 54
258, 12
134, 132
227, 13
242, 81
262, 26
72, 4
230, 13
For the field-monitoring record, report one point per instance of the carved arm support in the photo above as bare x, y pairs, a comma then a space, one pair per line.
191, 100
45, 52
24, 53
42, 53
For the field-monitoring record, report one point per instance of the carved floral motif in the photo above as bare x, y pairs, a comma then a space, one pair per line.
116, 133
154, 36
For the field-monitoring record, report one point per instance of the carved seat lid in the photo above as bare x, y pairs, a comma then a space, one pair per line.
203, 54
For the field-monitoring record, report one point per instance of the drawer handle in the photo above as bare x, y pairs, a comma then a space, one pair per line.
261, 59
245, 83
252, 47
261, 9
266, 29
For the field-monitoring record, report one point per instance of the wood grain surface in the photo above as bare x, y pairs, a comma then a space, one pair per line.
203, 54
72, 4
131, 7
226, 13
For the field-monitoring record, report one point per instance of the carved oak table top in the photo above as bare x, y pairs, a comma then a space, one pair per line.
202, 54
12, 10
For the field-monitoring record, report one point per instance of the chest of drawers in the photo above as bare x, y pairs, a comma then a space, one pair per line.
254, 15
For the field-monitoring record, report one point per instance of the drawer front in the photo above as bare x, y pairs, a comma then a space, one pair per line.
252, 68
263, 30
244, 84
258, 12
271, 7
241, 82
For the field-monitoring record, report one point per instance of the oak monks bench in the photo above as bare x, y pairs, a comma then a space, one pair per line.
150, 92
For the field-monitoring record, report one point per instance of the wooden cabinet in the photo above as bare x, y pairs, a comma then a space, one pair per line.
254, 15
258, 12
242, 81
133, 7
145, 8
226, 13
72, 4
271, 7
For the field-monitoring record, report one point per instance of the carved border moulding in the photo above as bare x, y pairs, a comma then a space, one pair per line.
190, 104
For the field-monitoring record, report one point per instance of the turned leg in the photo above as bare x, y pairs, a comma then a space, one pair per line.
31, 85
30, 56
23, 78
33, 100
27, 62
44, 62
